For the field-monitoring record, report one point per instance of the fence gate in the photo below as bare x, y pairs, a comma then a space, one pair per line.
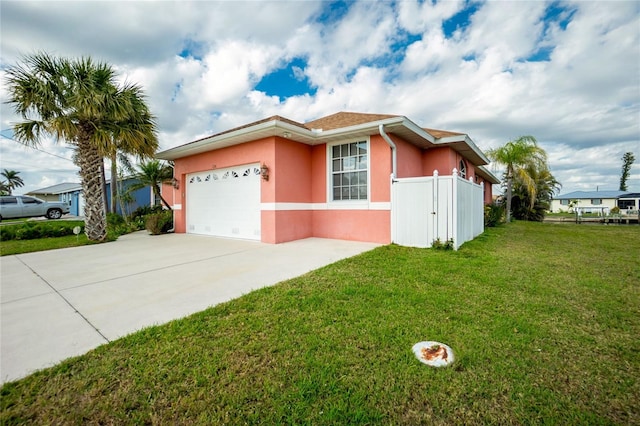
424, 209
413, 212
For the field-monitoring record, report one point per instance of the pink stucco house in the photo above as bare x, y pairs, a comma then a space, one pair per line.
277, 180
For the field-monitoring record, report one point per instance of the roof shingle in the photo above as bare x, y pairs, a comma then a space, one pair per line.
345, 119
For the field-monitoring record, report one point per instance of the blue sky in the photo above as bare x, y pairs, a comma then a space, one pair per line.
567, 72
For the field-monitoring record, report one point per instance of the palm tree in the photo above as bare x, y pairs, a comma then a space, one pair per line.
80, 102
13, 181
546, 186
153, 173
120, 148
517, 156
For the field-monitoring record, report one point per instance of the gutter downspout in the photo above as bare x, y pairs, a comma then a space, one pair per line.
394, 156
394, 166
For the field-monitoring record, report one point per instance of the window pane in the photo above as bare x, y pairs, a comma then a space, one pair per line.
363, 192
336, 193
337, 165
362, 178
9, 200
349, 163
336, 151
354, 193
336, 180
345, 193
353, 149
362, 162
362, 147
345, 150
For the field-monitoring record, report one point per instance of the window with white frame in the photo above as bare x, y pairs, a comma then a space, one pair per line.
462, 169
596, 201
349, 171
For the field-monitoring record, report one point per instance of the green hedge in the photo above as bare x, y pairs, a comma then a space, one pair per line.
35, 230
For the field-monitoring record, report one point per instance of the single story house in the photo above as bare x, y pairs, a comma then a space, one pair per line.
600, 202
141, 197
277, 180
629, 202
70, 192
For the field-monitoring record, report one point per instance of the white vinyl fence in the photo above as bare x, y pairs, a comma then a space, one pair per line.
426, 209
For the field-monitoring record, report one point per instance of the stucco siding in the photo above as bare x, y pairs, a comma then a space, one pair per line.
357, 225
380, 172
291, 172
409, 159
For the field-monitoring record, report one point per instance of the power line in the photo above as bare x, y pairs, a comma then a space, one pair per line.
33, 147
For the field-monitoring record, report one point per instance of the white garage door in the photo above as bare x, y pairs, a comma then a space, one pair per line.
225, 202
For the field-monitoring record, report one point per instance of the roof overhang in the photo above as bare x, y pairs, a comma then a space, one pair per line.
400, 126
487, 175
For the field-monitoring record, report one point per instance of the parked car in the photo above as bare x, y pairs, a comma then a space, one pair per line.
12, 206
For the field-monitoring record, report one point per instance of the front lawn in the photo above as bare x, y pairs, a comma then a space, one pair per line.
544, 320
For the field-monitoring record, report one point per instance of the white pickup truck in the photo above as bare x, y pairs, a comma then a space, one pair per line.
13, 206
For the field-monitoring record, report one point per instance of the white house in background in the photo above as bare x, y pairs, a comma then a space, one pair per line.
600, 202
629, 201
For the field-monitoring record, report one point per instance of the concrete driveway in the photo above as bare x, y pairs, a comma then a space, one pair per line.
62, 303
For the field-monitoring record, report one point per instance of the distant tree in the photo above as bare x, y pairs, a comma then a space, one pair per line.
79, 101
4, 188
627, 161
153, 173
520, 157
13, 181
572, 205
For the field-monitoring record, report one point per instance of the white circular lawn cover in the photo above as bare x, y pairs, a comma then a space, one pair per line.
434, 354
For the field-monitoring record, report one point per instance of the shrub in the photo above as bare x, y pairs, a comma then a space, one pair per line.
439, 245
615, 210
494, 214
159, 223
141, 212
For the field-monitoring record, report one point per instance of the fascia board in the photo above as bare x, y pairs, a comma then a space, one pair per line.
372, 125
213, 141
418, 130
467, 140
492, 178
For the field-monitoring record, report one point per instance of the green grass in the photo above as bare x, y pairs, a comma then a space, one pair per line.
34, 230
544, 320
27, 246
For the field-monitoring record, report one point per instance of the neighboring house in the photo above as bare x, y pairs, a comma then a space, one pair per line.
600, 202
353, 176
629, 202
139, 198
72, 194
69, 192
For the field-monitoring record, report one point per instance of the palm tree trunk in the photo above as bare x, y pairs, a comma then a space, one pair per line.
103, 182
114, 181
509, 195
91, 175
156, 191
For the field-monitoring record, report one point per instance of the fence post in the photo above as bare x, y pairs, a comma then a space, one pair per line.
435, 209
454, 208
481, 227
